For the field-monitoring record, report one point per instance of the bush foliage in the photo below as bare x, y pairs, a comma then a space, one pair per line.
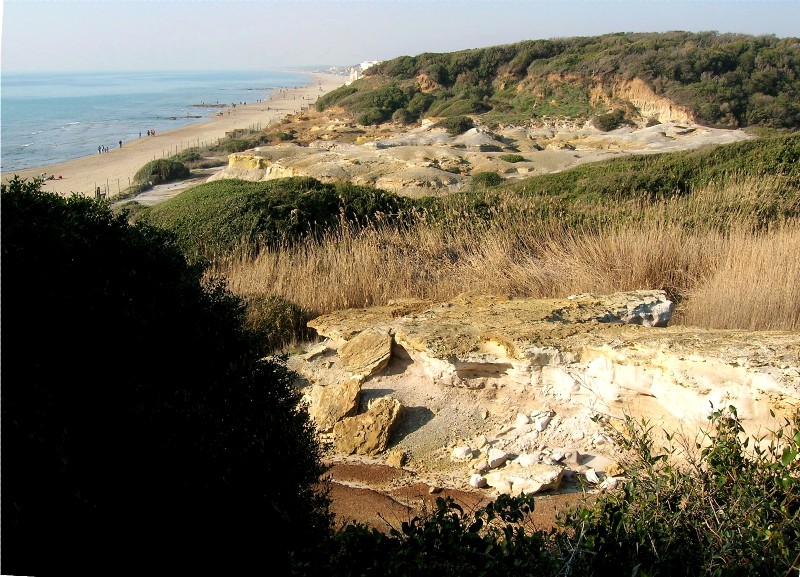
161, 170
456, 125
229, 216
142, 428
727, 80
730, 511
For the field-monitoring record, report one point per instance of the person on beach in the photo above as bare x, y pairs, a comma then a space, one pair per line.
120, 144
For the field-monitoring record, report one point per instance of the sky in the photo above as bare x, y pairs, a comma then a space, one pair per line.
154, 35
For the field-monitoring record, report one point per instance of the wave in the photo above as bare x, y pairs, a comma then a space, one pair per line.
27, 145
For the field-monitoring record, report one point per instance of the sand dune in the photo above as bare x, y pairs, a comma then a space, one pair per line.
113, 172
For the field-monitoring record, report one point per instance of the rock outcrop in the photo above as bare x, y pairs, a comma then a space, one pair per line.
425, 160
516, 394
646, 102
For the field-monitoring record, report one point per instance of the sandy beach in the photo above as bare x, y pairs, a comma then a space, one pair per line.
113, 171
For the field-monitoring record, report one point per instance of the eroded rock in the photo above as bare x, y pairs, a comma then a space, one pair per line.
479, 366
367, 433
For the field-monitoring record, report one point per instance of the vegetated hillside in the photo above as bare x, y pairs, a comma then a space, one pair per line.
719, 80
232, 216
226, 217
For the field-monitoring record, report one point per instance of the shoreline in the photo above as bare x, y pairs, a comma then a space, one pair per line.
113, 171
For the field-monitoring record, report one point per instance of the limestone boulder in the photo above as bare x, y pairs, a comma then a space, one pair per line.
367, 433
331, 403
529, 480
366, 354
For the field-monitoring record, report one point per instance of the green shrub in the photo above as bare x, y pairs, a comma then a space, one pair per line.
733, 510
334, 96
187, 156
233, 216
490, 148
232, 145
456, 125
403, 116
142, 426
278, 321
610, 120
513, 158
371, 116
280, 136
486, 179
161, 170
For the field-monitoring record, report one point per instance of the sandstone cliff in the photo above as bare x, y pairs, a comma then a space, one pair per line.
517, 394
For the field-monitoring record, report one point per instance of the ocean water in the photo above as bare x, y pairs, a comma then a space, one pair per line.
51, 118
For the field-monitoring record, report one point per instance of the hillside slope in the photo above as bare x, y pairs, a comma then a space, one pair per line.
718, 80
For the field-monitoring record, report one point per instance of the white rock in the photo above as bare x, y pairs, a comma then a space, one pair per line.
600, 440
502, 486
526, 459
567, 456
477, 481
609, 484
591, 476
522, 419
462, 453
542, 422
530, 480
497, 457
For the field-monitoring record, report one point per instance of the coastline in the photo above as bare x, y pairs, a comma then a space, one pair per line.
113, 171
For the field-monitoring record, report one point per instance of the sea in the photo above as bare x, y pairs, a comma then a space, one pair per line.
47, 118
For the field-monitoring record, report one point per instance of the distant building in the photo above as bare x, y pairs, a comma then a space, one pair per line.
356, 72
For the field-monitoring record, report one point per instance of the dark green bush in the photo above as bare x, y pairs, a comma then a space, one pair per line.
733, 510
161, 170
419, 105
403, 116
610, 120
333, 97
456, 125
142, 428
372, 116
188, 156
232, 216
486, 179
280, 136
231, 145
512, 158
490, 148
278, 321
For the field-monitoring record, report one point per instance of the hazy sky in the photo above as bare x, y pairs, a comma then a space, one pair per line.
272, 34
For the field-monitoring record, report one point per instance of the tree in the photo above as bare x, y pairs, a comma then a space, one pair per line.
141, 428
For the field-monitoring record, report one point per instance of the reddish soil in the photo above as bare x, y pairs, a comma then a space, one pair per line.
383, 497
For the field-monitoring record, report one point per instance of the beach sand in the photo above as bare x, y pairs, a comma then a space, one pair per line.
113, 171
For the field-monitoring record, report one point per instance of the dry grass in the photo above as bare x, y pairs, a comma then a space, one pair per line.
700, 248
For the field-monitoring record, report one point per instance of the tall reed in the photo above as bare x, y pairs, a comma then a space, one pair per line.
714, 252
